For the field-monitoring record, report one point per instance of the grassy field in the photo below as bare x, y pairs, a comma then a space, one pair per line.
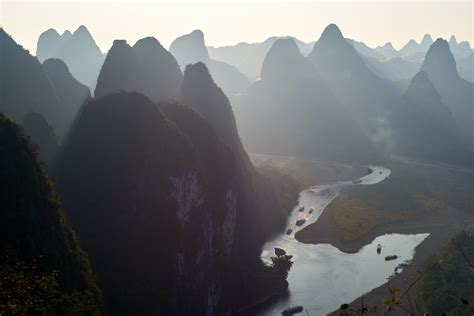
308, 173
410, 194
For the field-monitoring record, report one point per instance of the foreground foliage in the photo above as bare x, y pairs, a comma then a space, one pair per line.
42, 267
449, 285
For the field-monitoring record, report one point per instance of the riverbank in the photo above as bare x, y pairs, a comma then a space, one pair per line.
412, 200
310, 172
438, 239
417, 199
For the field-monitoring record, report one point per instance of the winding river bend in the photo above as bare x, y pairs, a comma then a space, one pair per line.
322, 277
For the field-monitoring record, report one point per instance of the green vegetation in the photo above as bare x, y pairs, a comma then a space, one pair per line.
409, 194
309, 172
284, 186
24, 290
42, 264
448, 285
282, 264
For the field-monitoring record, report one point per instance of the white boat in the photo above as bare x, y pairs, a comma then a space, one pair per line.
292, 310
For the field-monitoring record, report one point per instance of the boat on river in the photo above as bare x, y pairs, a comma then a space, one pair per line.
292, 310
300, 222
356, 181
310, 210
379, 248
301, 208
289, 231
392, 257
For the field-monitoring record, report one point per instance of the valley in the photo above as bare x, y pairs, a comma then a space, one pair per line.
350, 218
242, 158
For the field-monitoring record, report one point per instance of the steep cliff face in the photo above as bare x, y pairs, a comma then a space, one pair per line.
157, 206
260, 214
36, 240
147, 67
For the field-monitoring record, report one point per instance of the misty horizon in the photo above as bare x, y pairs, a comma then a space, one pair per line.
308, 19
184, 159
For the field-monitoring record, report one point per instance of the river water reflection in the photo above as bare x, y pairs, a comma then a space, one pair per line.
322, 277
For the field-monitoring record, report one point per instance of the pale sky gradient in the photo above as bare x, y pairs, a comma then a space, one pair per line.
227, 22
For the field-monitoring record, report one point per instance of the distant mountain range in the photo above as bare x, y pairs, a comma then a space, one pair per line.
190, 49
28, 86
153, 171
232, 66
335, 105
386, 61
147, 67
78, 50
291, 111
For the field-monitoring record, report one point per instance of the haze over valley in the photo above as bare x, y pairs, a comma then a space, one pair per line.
324, 176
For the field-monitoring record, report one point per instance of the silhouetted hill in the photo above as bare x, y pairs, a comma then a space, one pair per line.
387, 51
78, 50
190, 49
377, 106
248, 57
153, 201
163, 193
465, 67
159, 73
425, 127
394, 69
24, 85
422, 92
459, 49
147, 67
118, 71
290, 111
201, 94
70, 92
365, 50
415, 52
48, 44
42, 266
42, 135
412, 47
367, 97
455, 92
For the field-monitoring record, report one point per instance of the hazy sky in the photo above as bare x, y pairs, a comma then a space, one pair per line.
227, 22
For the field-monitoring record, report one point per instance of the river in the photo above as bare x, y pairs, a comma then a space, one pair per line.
322, 277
